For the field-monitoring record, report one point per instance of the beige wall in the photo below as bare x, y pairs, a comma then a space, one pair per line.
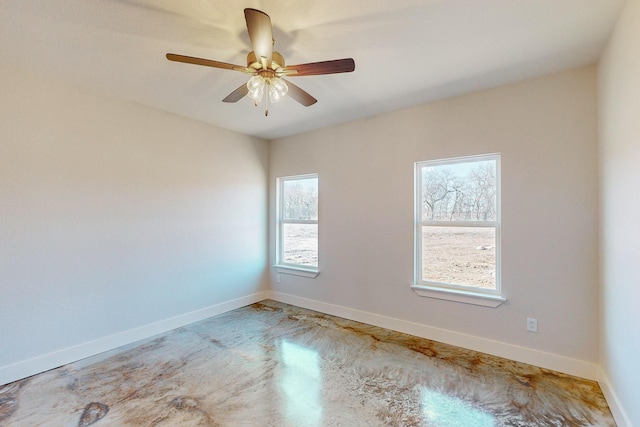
619, 108
115, 216
546, 131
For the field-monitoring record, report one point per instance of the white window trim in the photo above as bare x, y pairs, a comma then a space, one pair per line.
445, 291
458, 295
284, 267
296, 271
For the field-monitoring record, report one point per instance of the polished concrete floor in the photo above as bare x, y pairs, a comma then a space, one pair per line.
272, 364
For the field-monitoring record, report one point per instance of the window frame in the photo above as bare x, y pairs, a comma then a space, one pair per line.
285, 267
451, 291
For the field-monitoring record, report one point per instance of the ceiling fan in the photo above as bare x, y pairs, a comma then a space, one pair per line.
267, 67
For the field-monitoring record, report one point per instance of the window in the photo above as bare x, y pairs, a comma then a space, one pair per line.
457, 229
297, 227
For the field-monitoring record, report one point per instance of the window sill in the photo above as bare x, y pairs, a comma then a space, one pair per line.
297, 271
467, 297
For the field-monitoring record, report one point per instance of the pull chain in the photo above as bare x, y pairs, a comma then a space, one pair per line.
266, 98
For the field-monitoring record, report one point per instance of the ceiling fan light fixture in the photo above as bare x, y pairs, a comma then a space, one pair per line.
275, 86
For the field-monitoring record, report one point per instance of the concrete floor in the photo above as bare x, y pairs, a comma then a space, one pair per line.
273, 364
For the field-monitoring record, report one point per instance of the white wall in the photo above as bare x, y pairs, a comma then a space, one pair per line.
546, 131
115, 216
619, 109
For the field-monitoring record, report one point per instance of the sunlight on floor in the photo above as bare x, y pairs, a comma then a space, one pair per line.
446, 411
301, 384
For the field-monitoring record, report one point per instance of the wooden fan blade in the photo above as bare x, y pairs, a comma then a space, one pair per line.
259, 27
207, 62
237, 94
300, 95
335, 66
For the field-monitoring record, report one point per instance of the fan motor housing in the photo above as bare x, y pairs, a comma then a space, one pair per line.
277, 61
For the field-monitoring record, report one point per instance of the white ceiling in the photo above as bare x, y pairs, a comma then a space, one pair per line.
407, 52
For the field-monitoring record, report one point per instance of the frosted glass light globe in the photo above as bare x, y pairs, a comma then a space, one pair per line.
256, 86
277, 90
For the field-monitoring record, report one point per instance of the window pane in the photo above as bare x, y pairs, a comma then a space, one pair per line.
300, 244
459, 255
300, 199
463, 191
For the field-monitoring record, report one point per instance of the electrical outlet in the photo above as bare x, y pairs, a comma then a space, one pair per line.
532, 324
277, 278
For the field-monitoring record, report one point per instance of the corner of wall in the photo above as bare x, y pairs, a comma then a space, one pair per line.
617, 410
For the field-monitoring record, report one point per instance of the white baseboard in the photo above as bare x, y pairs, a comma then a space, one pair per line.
619, 414
579, 368
45, 362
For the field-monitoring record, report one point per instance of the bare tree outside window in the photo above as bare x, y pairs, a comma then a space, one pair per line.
458, 222
300, 199
459, 192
